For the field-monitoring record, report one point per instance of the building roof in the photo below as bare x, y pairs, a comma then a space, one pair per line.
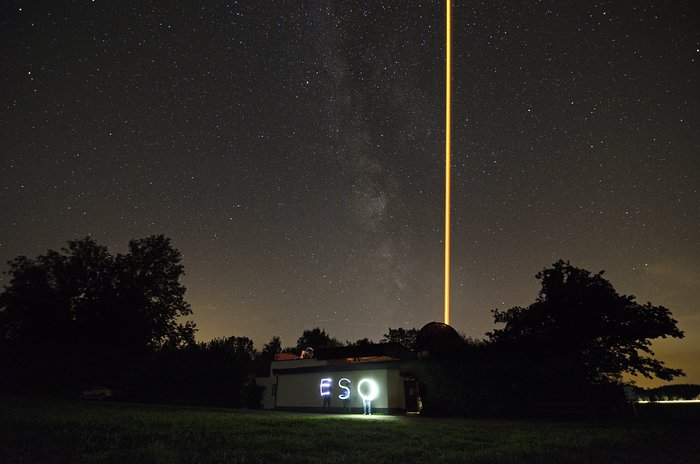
391, 350
337, 367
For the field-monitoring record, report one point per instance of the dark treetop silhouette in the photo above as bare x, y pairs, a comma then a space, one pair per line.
595, 333
86, 309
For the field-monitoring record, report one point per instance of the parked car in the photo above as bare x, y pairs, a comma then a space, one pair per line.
98, 394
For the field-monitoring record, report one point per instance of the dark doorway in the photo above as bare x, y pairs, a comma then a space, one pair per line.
412, 395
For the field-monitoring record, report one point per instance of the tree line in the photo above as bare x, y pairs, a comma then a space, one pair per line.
572, 348
80, 317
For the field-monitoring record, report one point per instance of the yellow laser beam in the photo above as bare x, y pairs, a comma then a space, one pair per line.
448, 103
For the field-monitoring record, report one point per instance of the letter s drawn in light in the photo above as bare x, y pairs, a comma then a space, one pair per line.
346, 391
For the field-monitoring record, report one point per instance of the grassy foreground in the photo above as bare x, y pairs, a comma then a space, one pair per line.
59, 431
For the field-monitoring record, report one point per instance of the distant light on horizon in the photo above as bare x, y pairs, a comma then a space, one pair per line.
668, 401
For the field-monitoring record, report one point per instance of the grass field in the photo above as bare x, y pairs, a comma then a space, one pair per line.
60, 431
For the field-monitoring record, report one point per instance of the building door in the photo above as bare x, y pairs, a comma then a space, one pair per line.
412, 395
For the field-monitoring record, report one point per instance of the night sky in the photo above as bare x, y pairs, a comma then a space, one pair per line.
293, 151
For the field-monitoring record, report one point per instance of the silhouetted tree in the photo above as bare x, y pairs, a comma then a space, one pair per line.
316, 338
239, 349
291, 350
151, 295
271, 348
83, 313
405, 337
216, 372
586, 330
56, 299
685, 391
361, 342
267, 355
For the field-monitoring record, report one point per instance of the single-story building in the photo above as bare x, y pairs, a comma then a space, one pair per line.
348, 379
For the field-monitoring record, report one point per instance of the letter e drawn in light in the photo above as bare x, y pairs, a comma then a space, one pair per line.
372, 390
346, 391
325, 387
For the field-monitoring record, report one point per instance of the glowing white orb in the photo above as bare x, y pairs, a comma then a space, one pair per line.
372, 389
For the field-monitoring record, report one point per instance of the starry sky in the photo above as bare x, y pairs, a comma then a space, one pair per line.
293, 151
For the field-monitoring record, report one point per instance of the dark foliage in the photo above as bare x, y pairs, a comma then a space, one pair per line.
220, 372
685, 391
81, 316
361, 342
267, 355
406, 337
585, 329
316, 338
488, 382
562, 356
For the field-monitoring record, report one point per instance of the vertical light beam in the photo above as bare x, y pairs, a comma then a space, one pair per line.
448, 103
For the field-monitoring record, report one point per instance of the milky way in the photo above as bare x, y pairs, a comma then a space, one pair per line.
293, 152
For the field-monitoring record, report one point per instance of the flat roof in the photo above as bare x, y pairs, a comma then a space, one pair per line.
394, 350
339, 367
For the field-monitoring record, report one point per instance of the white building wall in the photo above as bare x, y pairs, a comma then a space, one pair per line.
303, 390
396, 392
